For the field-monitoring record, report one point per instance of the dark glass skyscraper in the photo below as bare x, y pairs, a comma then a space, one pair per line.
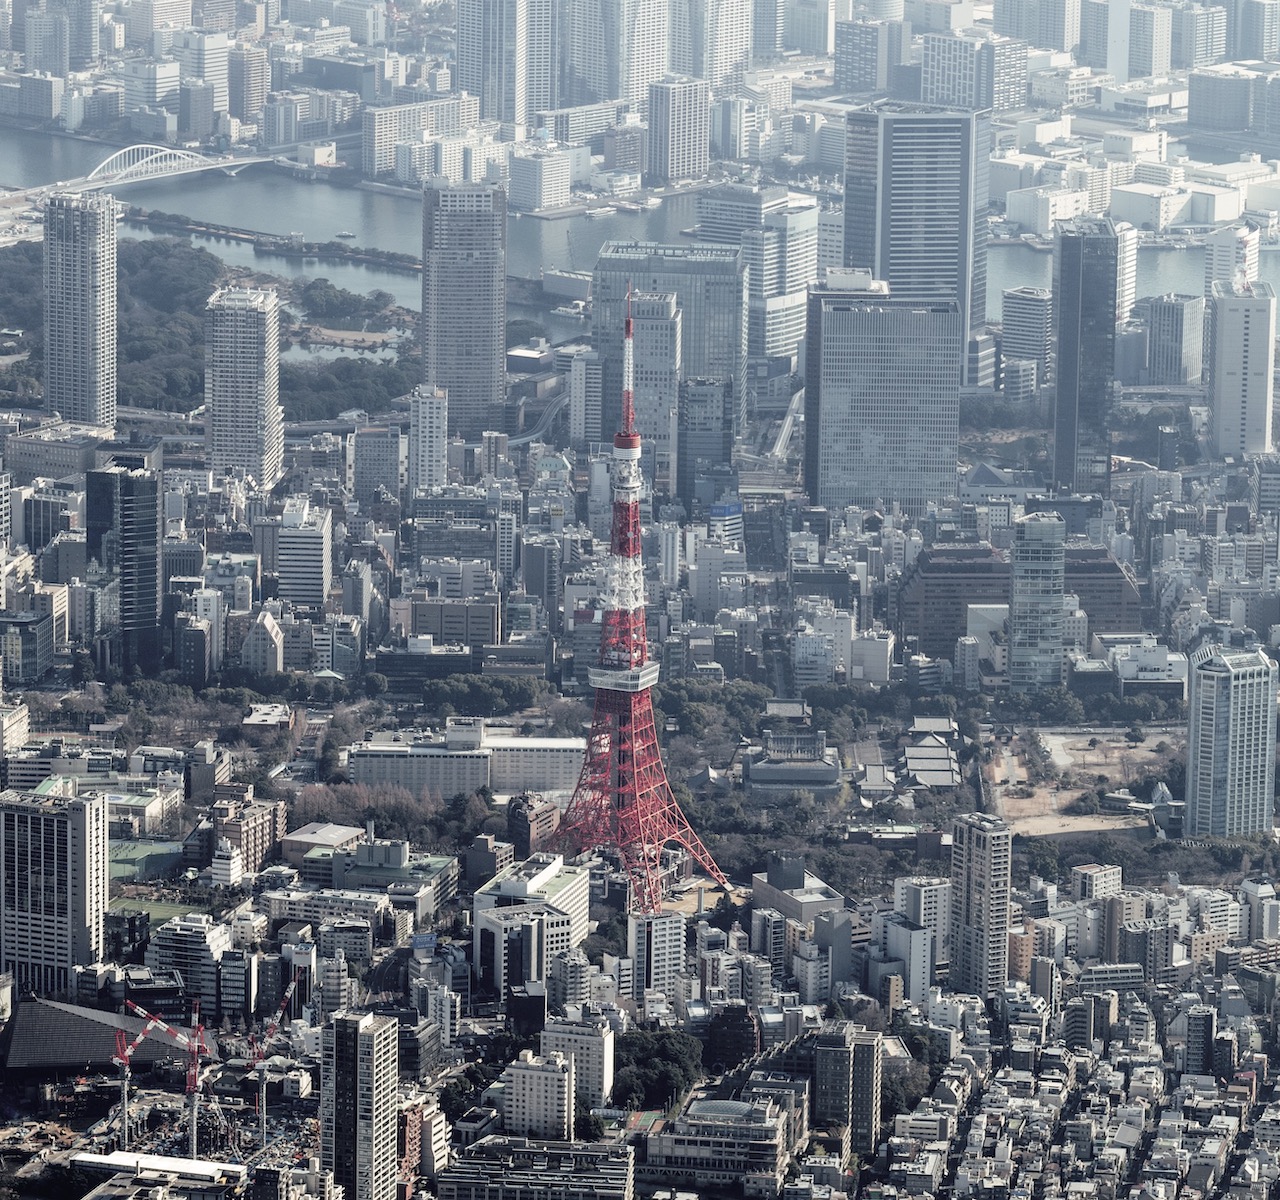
1085, 265
123, 536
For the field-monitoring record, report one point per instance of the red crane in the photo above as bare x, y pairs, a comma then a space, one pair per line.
195, 1047
122, 1057
260, 1051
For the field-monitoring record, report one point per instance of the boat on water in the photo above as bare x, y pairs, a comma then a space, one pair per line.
605, 211
575, 308
345, 234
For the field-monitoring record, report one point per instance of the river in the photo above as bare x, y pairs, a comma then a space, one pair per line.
266, 200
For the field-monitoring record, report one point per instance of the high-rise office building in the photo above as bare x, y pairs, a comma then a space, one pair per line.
54, 868
464, 301
377, 458
811, 26
244, 423
1175, 339
1027, 328
705, 433
304, 553
1242, 379
868, 52
48, 42
248, 81
428, 439
1228, 252
1231, 743
1085, 263
358, 1105
768, 29
204, 55
657, 334
711, 40
507, 57
782, 260
981, 850
915, 208
882, 396
80, 308
1038, 563
613, 50
122, 535
678, 130
711, 284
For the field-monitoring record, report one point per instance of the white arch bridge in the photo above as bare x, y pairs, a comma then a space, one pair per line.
135, 163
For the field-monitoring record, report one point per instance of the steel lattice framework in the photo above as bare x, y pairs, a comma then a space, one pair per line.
146, 162
623, 802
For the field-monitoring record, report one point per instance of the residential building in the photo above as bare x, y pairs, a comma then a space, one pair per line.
506, 57
538, 1096
1242, 383
428, 439
244, 423
1036, 613
711, 40
359, 1064
655, 945
588, 1045
679, 131
54, 870
80, 307
981, 852
1231, 743
464, 297
192, 946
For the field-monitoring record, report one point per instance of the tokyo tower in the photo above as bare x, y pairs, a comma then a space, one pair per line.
623, 802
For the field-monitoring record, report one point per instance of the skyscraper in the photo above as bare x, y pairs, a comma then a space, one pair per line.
358, 1107
244, 423
711, 40
678, 130
464, 301
1085, 266
916, 198
1175, 339
711, 284
54, 871
248, 81
847, 1069
1036, 602
1229, 251
122, 534
613, 50
1231, 746
428, 439
80, 308
882, 396
507, 57
974, 71
1243, 387
1027, 328
981, 850
657, 330
782, 260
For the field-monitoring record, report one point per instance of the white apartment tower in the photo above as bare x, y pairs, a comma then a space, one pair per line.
538, 1096
981, 851
53, 888
679, 130
613, 50
506, 57
1243, 389
244, 423
655, 945
1231, 746
588, 1044
428, 439
80, 308
359, 1109
711, 40
927, 902
1036, 619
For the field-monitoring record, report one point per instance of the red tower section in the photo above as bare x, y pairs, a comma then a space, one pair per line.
623, 802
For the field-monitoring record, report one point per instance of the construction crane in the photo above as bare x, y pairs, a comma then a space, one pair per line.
123, 1055
194, 1044
260, 1051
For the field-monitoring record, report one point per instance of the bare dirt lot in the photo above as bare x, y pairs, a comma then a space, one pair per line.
1079, 760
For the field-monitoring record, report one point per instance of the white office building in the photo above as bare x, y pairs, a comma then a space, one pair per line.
428, 439
304, 554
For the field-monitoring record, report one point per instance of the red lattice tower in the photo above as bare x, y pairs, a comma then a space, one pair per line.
623, 802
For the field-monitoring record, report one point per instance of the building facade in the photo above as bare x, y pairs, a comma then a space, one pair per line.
1036, 619
981, 850
358, 1104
